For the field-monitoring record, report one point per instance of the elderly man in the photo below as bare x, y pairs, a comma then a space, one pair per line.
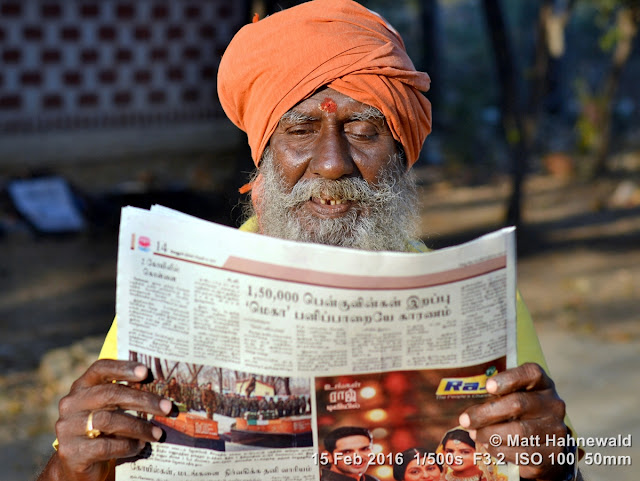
335, 118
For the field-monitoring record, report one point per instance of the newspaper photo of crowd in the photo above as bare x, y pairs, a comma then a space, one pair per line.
229, 410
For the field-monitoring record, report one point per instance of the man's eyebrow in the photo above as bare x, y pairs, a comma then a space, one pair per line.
295, 117
368, 113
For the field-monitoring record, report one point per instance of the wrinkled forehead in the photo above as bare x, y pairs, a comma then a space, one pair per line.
328, 100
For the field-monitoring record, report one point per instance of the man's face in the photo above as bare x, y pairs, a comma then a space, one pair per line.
351, 456
330, 137
333, 175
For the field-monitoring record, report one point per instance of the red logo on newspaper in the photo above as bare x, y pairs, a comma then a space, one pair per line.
144, 243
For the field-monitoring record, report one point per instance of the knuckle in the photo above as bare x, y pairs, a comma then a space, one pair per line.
64, 452
111, 400
75, 386
117, 448
559, 407
534, 372
518, 404
101, 364
65, 406
97, 366
102, 448
102, 420
126, 448
60, 428
111, 394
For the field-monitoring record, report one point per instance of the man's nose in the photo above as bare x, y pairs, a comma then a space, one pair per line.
331, 155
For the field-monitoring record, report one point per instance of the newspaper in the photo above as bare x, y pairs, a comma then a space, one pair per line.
267, 345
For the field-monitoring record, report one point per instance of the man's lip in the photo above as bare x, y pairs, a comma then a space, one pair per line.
327, 210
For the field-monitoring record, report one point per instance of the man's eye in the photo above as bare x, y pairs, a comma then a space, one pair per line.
362, 136
300, 130
361, 132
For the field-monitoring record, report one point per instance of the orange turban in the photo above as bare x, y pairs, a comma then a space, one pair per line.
273, 64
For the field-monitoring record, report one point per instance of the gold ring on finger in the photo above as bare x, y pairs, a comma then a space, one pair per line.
90, 431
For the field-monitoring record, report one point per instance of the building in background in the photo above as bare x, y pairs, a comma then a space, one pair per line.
84, 80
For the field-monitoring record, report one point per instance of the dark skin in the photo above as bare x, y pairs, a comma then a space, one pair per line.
80, 458
330, 138
524, 402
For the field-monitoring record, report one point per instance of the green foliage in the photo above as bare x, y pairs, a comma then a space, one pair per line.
589, 122
605, 19
609, 39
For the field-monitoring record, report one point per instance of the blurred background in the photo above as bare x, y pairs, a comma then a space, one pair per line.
113, 102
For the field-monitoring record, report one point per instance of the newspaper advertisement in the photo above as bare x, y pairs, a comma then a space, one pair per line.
281, 355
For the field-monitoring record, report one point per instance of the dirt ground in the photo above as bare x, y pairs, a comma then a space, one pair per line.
579, 272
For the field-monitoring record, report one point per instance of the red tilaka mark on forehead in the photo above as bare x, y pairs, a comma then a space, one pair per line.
329, 106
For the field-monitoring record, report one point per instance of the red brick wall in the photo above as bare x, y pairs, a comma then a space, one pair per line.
88, 63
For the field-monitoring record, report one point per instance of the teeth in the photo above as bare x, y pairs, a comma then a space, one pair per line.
331, 201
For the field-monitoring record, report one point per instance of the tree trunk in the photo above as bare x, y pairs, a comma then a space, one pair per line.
430, 48
194, 371
287, 386
512, 116
170, 371
220, 378
627, 26
159, 371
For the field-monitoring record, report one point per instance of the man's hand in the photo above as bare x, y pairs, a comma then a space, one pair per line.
81, 458
525, 406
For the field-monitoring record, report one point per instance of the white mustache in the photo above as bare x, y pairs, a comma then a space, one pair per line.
384, 214
353, 189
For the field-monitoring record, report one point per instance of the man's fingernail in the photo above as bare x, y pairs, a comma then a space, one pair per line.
156, 432
464, 420
166, 406
492, 386
140, 372
145, 450
472, 434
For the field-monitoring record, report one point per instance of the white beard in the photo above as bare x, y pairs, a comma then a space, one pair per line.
385, 216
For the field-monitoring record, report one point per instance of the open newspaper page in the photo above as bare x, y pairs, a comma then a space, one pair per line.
267, 346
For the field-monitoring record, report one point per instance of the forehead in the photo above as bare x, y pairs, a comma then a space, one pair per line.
352, 442
329, 101
457, 444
